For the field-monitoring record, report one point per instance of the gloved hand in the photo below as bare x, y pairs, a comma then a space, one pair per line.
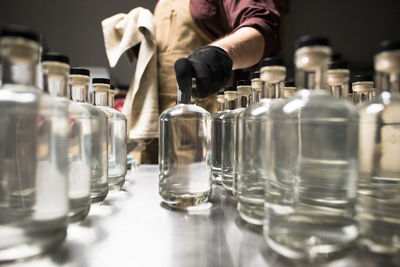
210, 65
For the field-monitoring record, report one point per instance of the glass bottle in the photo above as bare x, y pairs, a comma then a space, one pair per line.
117, 134
55, 69
311, 164
229, 131
256, 88
33, 153
79, 90
363, 88
184, 153
216, 136
338, 78
252, 131
378, 208
289, 90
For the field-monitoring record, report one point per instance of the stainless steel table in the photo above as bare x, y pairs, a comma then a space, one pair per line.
134, 227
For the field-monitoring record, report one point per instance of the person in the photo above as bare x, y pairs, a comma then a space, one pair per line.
208, 39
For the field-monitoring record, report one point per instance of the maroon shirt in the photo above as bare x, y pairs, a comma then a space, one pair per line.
216, 18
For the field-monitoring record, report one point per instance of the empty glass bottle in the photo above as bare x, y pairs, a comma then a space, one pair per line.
363, 88
116, 134
289, 90
216, 131
338, 78
55, 69
312, 161
229, 131
184, 153
79, 90
378, 208
252, 147
33, 153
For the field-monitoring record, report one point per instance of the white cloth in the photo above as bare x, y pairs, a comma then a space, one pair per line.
121, 33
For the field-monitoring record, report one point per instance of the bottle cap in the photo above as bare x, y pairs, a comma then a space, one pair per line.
243, 82
220, 93
388, 45
311, 40
362, 78
334, 65
52, 56
19, 31
289, 84
79, 71
271, 61
101, 80
230, 88
255, 75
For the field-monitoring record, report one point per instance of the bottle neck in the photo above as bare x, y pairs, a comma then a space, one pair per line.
55, 78
273, 81
289, 92
111, 97
387, 71
220, 103
101, 94
186, 98
338, 82
231, 100
19, 58
244, 96
311, 67
79, 88
362, 91
256, 87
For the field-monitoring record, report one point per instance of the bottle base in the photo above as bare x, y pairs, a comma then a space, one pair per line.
116, 183
99, 196
184, 200
377, 248
251, 213
227, 182
216, 176
35, 239
78, 209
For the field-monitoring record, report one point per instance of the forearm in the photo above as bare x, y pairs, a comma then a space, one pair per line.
245, 47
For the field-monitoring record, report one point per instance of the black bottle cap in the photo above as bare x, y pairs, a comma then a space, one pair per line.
220, 93
334, 65
255, 75
51, 56
19, 31
230, 88
271, 61
312, 40
388, 45
243, 82
79, 71
101, 80
362, 78
289, 84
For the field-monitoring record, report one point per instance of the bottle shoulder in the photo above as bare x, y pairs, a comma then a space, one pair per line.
19, 94
186, 111
219, 115
112, 113
385, 106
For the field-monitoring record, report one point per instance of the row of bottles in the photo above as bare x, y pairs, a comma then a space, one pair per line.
316, 166
58, 153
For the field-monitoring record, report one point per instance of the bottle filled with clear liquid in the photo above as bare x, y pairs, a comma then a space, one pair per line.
312, 164
55, 69
216, 138
378, 209
117, 134
236, 101
184, 153
98, 140
33, 153
363, 88
252, 146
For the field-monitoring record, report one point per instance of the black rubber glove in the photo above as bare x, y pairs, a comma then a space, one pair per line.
210, 65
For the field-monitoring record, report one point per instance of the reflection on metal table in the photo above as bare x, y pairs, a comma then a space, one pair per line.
133, 227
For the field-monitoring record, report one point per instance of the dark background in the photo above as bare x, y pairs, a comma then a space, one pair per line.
355, 27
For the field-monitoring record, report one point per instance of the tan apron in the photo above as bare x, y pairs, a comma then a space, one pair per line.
177, 36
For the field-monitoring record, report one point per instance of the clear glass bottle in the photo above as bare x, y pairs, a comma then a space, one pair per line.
312, 164
229, 144
363, 88
252, 131
33, 153
256, 88
117, 133
378, 205
184, 153
216, 136
338, 78
55, 69
79, 91
289, 90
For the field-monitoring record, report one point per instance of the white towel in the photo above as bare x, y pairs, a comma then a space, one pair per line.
121, 33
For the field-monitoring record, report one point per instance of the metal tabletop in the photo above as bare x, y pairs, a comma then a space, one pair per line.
133, 227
